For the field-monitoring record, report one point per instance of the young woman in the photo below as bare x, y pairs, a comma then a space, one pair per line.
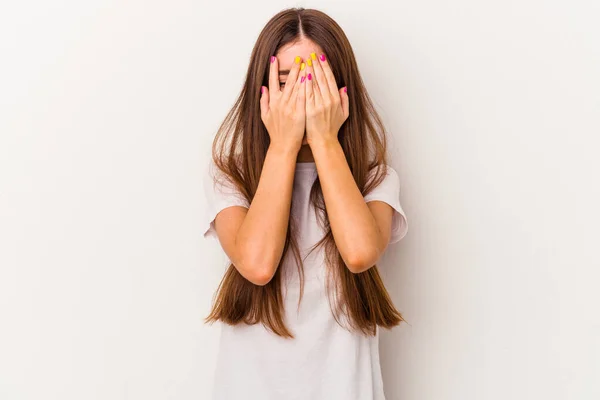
304, 205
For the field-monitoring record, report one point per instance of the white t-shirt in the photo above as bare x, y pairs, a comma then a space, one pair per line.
324, 361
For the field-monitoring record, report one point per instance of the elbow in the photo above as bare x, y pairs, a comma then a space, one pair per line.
260, 276
258, 271
358, 262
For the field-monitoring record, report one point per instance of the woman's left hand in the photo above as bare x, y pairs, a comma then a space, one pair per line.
326, 105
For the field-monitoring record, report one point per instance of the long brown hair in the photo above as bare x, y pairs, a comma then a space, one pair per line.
239, 151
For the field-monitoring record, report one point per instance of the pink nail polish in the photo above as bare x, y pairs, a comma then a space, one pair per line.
262, 89
322, 57
346, 90
309, 76
302, 79
272, 59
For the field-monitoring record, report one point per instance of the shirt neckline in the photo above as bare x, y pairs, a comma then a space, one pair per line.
306, 166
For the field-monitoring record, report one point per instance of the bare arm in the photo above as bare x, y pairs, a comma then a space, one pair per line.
361, 232
254, 238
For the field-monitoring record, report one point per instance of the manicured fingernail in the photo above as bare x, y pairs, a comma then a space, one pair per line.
262, 89
346, 90
322, 57
302, 79
302, 66
309, 76
297, 60
272, 59
313, 56
309, 62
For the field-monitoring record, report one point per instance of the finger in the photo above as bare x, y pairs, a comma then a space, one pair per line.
264, 101
326, 68
316, 90
274, 75
312, 86
310, 95
345, 101
292, 79
301, 100
317, 98
299, 86
321, 79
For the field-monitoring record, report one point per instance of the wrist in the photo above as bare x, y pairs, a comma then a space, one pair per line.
283, 150
325, 142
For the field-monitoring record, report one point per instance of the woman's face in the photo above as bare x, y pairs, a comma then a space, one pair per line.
286, 56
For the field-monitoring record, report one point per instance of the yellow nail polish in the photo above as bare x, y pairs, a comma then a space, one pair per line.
302, 66
297, 60
313, 56
309, 62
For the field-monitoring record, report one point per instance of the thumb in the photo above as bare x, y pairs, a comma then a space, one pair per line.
264, 101
345, 101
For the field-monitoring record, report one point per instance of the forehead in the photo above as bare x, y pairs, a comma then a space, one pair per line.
302, 48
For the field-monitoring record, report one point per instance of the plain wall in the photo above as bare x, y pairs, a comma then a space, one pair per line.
107, 114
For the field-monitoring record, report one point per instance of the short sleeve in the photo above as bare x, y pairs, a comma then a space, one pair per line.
219, 194
388, 191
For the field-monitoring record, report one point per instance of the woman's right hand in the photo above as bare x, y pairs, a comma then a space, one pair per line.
284, 111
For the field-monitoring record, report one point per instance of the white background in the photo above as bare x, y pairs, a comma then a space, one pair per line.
107, 113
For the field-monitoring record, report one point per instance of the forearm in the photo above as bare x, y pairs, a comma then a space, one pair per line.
353, 226
261, 237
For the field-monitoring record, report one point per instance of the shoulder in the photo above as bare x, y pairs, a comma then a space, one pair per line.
390, 179
218, 187
388, 191
385, 169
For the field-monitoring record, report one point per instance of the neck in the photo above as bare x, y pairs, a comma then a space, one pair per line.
305, 154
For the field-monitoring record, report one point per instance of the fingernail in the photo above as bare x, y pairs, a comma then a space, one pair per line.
322, 57
302, 66
309, 62
313, 56
309, 76
272, 59
262, 89
297, 60
302, 79
346, 90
